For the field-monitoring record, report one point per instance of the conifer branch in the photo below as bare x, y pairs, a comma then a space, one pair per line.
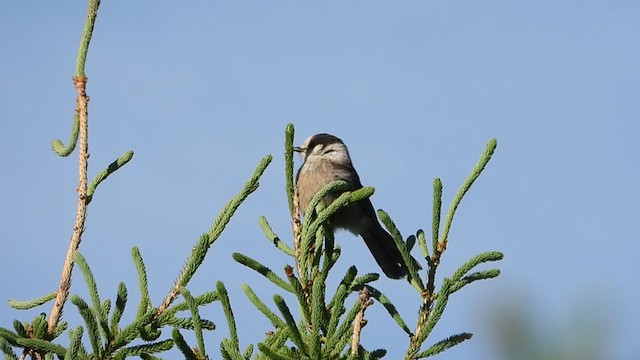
262, 307
75, 343
234, 341
294, 331
79, 133
265, 271
466, 185
81, 212
195, 316
104, 174
121, 302
268, 231
288, 166
433, 304
29, 304
143, 284
206, 240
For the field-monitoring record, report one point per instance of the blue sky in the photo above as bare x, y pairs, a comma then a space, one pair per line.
201, 92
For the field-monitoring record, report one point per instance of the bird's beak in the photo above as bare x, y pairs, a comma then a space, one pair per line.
298, 149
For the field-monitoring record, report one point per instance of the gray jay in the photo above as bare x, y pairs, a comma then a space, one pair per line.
326, 159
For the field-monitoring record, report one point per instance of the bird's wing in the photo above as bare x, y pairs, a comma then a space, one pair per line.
347, 173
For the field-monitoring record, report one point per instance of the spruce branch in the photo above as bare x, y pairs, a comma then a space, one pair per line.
229, 351
187, 323
466, 185
437, 208
332, 253
143, 284
288, 165
144, 349
91, 323
121, 302
248, 352
203, 246
268, 231
38, 329
294, 332
131, 331
412, 265
58, 146
336, 305
364, 279
99, 313
168, 318
9, 336
81, 212
85, 40
8, 352
262, 307
276, 340
182, 345
20, 328
87, 32
29, 304
265, 271
310, 241
318, 249
475, 261
433, 304
345, 199
195, 315
443, 345
62, 327
79, 133
273, 354
301, 294
437, 311
318, 319
233, 343
75, 342
340, 338
479, 275
104, 174
39, 346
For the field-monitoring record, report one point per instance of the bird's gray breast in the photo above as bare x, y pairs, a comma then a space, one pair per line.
315, 174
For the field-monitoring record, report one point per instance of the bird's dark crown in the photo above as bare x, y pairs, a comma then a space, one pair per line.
322, 139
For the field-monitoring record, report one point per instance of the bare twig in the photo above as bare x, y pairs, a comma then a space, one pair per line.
359, 322
82, 103
297, 233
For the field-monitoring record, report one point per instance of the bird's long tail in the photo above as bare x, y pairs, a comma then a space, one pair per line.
384, 250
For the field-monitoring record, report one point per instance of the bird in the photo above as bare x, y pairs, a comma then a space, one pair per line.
325, 158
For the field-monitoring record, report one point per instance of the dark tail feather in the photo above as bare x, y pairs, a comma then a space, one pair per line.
384, 250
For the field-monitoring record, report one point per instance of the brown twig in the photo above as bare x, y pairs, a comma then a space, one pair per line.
173, 294
175, 290
359, 322
297, 233
82, 103
423, 315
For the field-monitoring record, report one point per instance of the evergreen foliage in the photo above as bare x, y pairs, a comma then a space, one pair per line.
329, 322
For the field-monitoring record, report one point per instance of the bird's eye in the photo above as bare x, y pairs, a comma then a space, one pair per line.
330, 151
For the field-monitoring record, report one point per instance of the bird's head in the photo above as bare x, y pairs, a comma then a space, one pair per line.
323, 147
